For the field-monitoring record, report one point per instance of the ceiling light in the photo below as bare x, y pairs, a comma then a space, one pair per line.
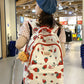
60, 7
23, 7
70, 12
76, 9
33, 11
28, 6
69, 3
26, 15
65, 11
74, 13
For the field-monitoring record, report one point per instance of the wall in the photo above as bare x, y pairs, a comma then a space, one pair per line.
10, 20
3, 31
0, 31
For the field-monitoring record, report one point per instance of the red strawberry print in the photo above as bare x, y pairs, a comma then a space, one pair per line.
44, 40
35, 29
36, 77
45, 66
30, 76
55, 57
54, 50
57, 41
46, 59
35, 37
50, 50
41, 37
51, 81
62, 70
33, 47
42, 52
60, 63
56, 72
45, 74
36, 69
24, 79
58, 75
34, 62
38, 49
44, 81
51, 39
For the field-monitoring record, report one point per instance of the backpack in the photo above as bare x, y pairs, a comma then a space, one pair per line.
44, 44
45, 57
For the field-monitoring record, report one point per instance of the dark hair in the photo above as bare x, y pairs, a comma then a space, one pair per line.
46, 19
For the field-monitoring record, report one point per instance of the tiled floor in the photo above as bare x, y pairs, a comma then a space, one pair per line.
73, 74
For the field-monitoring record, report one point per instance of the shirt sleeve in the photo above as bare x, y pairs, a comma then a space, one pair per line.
24, 30
62, 36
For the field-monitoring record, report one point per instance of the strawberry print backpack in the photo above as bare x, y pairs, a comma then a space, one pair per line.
45, 63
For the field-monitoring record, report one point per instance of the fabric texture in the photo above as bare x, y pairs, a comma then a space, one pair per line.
25, 32
45, 65
48, 6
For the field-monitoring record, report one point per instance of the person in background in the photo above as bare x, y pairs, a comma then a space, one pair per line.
45, 9
62, 36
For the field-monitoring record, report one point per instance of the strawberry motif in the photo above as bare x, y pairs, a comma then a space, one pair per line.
35, 37
24, 79
35, 29
34, 62
51, 81
30, 76
44, 40
38, 49
36, 69
33, 47
54, 50
45, 74
57, 41
36, 77
44, 67
60, 63
62, 70
51, 39
41, 37
44, 81
46, 59
42, 52
56, 72
50, 50
55, 57
58, 75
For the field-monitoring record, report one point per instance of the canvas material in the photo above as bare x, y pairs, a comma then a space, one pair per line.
45, 65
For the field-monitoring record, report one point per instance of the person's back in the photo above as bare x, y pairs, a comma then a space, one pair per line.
45, 64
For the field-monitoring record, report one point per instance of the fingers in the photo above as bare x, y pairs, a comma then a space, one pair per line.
17, 57
22, 62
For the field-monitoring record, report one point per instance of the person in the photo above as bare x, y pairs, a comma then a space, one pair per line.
53, 74
62, 36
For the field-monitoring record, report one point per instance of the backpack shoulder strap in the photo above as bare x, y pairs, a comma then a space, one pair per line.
30, 29
58, 32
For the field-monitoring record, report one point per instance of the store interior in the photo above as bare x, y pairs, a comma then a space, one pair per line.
69, 13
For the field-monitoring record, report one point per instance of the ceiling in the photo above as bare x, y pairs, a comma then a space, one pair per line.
64, 8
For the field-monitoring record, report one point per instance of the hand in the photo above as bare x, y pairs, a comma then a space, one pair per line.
22, 56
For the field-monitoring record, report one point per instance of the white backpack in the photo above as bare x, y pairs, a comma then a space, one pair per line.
42, 44
45, 59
